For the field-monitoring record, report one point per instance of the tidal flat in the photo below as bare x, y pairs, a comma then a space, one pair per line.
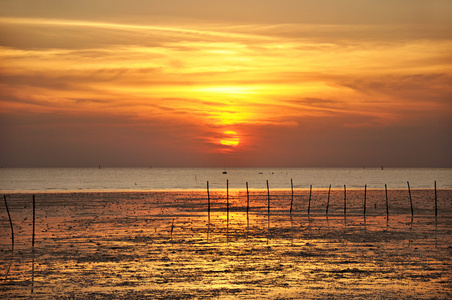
161, 245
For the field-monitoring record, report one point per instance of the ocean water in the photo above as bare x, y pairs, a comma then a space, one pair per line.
149, 179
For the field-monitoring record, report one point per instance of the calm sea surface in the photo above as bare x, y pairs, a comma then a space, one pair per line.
144, 179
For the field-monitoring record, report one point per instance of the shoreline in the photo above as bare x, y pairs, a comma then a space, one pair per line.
194, 180
150, 191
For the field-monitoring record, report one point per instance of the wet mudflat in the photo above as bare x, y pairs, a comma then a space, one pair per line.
160, 245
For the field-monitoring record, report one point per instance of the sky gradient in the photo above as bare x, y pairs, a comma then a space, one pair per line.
226, 83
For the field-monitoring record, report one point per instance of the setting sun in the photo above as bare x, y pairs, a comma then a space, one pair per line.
230, 138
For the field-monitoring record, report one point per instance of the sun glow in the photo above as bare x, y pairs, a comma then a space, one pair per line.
230, 138
226, 88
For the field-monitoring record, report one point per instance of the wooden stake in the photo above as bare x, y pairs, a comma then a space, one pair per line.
10, 224
411, 201
345, 200
268, 199
291, 201
33, 246
12, 239
247, 206
34, 219
436, 202
208, 201
227, 199
328, 201
387, 202
365, 200
309, 200
172, 228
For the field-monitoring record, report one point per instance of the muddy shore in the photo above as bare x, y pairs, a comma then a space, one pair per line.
160, 245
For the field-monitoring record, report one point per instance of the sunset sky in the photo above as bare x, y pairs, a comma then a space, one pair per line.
287, 83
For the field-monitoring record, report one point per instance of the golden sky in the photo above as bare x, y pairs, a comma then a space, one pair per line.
226, 83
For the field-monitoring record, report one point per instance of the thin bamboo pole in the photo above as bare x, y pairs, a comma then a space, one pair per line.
33, 246
309, 200
411, 201
34, 221
345, 200
208, 201
387, 202
328, 201
291, 201
247, 206
172, 228
227, 210
227, 200
10, 224
436, 202
365, 199
268, 204
268, 201
12, 240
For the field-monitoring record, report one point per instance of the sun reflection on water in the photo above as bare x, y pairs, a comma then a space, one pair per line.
161, 244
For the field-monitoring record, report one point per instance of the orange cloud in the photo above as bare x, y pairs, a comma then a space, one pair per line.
223, 78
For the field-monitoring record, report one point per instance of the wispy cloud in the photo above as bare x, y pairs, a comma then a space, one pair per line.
216, 77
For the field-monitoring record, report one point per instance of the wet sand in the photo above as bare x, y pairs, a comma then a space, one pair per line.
160, 245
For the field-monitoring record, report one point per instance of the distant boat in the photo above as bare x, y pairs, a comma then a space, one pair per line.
224, 172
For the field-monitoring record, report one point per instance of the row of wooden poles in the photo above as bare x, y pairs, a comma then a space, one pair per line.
227, 210
247, 206
309, 200
32, 240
